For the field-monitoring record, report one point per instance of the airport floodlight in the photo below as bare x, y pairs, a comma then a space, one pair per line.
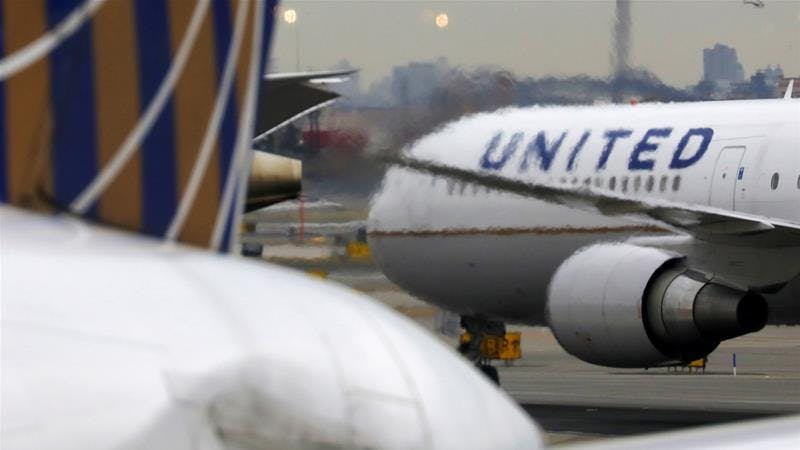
290, 16
442, 20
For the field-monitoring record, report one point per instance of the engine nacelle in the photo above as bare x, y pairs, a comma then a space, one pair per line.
272, 179
622, 305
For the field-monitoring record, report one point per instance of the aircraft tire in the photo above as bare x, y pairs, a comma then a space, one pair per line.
491, 372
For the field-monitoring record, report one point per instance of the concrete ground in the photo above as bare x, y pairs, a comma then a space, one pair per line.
571, 399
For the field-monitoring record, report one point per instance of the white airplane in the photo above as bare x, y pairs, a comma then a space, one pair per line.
642, 235
111, 340
139, 116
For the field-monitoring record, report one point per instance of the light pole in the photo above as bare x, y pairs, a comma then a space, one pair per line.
290, 17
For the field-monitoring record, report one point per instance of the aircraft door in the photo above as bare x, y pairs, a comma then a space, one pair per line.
726, 175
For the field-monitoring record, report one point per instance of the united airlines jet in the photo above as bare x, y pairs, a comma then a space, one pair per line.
642, 235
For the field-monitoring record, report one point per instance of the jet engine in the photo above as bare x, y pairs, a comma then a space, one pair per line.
622, 305
272, 179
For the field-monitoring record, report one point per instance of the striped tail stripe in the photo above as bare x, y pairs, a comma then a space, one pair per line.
134, 114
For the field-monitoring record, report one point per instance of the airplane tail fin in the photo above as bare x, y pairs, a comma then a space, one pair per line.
133, 114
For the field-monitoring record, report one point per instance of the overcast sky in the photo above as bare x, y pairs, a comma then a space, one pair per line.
536, 37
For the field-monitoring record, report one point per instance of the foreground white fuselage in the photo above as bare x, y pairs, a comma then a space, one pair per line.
117, 341
488, 253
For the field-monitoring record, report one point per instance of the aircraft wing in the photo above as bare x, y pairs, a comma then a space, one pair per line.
285, 97
704, 222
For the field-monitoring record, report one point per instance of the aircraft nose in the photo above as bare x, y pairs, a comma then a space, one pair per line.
361, 376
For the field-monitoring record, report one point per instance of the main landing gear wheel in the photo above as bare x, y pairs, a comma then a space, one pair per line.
478, 329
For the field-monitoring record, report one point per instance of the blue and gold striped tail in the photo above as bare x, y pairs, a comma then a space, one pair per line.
136, 114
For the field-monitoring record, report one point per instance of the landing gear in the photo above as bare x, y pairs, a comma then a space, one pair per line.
491, 372
479, 330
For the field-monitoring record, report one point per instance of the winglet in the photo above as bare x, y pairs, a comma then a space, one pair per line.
289, 96
789, 89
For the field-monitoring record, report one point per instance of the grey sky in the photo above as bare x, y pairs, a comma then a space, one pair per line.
537, 37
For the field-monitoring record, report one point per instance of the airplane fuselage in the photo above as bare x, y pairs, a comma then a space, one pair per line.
481, 252
118, 341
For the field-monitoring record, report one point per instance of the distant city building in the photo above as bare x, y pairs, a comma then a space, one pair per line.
783, 83
413, 82
772, 75
720, 64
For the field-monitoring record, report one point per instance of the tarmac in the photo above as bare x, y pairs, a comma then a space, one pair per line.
572, 400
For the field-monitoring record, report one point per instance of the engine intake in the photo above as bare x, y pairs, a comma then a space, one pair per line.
622, 305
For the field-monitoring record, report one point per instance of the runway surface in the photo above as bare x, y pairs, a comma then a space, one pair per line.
574, 400
767, 380
565, 424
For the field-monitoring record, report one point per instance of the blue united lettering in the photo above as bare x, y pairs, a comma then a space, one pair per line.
611, 138
679, 161
635, 162
573, 156
544, 150
488, 161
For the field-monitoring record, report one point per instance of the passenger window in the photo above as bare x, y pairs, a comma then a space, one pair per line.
798, 182
637, 183
775, 180
662, 185
650, 183
598, 182
676, 183
624, 184
612, 183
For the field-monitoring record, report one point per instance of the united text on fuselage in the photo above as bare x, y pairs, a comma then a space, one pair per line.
542, 149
